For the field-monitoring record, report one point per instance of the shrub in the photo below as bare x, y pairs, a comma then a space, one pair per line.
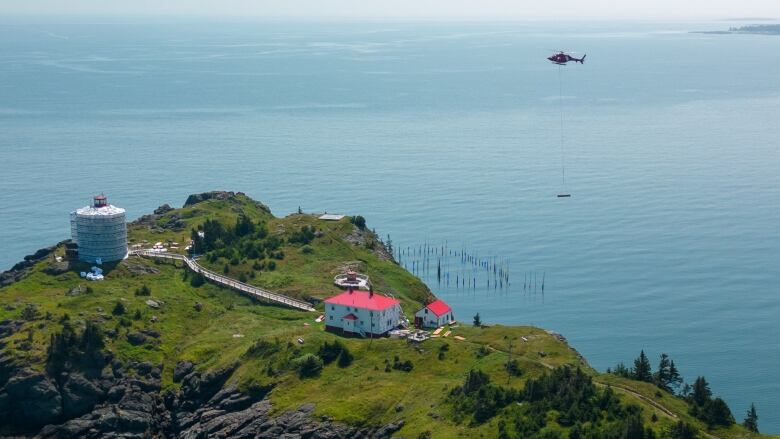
308, 365
143, 291
405, 366
119, 309
30, 312
513, 368
307, 249
271, 265
330, 351
303, 236
263, 349
137, 315
359, 221
197, 280
345, 358
682, 430
234, 261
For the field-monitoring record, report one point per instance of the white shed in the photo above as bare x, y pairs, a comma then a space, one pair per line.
434, 315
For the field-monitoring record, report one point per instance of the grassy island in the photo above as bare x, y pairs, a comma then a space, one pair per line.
497, 381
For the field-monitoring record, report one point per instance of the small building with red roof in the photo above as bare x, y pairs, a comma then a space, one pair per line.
434, 315
362, 313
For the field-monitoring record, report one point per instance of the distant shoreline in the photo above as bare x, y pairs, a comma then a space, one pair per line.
753, 29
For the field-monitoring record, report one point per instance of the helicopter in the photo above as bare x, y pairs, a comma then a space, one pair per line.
561, 58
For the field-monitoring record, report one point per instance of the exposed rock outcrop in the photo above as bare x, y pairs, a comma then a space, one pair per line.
22, 269
223, 195
116, 404
213, 195
30, 399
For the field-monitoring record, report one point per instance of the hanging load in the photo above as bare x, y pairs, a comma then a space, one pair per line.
561, 59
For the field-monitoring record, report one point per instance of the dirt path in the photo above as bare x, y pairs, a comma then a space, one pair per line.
653, 403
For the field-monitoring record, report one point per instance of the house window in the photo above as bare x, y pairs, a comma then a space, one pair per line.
426, 310
332, 308
331, 317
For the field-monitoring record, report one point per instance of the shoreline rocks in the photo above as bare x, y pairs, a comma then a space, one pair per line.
117, 404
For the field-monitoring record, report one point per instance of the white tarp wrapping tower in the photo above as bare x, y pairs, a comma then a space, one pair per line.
100, 230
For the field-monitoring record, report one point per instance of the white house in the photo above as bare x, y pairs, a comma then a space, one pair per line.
362, 312
434, 315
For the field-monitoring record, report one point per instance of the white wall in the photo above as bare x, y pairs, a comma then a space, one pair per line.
430, 320
383, 320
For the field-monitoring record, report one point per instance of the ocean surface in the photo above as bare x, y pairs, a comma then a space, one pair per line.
443, 132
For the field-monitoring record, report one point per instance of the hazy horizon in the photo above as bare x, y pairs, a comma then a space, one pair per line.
407, 9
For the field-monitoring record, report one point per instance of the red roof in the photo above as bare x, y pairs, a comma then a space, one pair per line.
362, 299
439, 308
350, 316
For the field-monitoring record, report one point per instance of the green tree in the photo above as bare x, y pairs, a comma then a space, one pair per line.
244, 226
716, 412
621, 370
751, 419
642, 370
663, 377
682, 430
92, 338
675, 379
477, 320
197, 243
701, 392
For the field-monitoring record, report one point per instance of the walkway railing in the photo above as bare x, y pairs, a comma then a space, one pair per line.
251, 290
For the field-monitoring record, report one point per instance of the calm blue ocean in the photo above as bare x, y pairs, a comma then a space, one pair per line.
443, 132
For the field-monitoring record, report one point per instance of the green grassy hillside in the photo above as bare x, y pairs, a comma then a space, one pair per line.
215, 327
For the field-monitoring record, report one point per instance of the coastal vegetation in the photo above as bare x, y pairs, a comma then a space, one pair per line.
166, 335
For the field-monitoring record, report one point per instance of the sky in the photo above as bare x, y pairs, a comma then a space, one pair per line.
422, 9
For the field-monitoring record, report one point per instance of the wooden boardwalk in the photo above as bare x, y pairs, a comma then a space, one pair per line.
225, 281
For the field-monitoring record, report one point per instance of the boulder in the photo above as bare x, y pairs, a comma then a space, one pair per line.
32, 400
79, 395
163, 209
136, 338
9, 327
182, 369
